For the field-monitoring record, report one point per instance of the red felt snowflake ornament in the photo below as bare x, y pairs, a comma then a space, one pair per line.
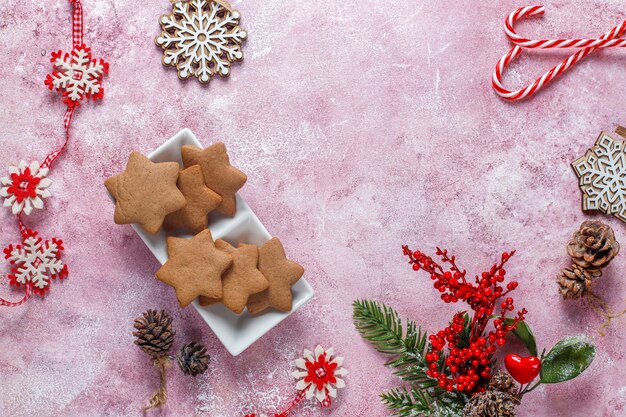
35, 262
77, 75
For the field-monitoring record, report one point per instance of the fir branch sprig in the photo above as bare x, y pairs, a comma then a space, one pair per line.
382, 326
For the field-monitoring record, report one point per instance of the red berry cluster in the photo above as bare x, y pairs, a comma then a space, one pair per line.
466, 366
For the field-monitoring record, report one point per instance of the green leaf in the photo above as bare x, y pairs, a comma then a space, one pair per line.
525, 334
566, 360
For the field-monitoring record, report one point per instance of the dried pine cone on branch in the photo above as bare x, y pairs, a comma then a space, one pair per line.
593, 245
155, 336
154, 333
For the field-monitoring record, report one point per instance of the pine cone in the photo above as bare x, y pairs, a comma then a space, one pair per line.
490, 404
575, 281
593, 245
193, 359
502, 381
154, 332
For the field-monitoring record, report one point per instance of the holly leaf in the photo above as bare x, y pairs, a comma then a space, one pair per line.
566, 360
525, 334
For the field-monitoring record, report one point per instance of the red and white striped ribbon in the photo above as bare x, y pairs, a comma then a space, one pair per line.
77, 23
611, 39
67, 121
27, 294
77, 40
293, 404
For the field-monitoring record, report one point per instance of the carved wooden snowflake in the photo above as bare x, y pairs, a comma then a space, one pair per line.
201, 38
602, 176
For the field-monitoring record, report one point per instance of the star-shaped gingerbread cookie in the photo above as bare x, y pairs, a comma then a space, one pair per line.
281, 273
219, 174
145, 192
242, 279
194, 268
201, 200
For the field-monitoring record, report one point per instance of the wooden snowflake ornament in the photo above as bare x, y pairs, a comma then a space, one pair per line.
602, 176
201, 38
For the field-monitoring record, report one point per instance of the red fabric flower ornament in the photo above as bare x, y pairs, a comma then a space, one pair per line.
77, 75
318, 374
25, 187
36, 262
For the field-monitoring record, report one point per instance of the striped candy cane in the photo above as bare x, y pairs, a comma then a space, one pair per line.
610, 39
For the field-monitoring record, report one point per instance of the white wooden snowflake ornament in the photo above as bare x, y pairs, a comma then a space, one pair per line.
201, 38
602, 176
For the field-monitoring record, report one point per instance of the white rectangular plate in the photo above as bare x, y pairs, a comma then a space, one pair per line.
236, 332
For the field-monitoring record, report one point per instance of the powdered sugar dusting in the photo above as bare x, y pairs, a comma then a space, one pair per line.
357, 136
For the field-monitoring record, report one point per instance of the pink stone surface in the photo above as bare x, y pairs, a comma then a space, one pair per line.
362, 126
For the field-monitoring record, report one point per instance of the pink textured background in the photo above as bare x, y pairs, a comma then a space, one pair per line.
362, 126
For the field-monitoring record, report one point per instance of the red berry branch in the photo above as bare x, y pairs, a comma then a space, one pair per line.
466, 365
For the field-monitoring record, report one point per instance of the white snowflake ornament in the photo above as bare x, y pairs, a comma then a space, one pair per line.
77, 75
318, 374
602, 176
25, 187
36, 262
201, 38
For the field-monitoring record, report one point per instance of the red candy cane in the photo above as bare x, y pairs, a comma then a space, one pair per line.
610, 39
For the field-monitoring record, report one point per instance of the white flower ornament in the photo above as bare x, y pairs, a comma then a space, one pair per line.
25, 187
318, 374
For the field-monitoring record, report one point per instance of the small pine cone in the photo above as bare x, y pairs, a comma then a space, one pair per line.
575, 281
490, 404
193, 359
154, 333
502, 381
593, 245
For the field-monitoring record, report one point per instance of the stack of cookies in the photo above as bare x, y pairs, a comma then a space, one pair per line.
242, 276
161, 195
156, 195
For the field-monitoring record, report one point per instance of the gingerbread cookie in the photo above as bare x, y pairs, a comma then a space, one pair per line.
145, 192
242, 279
281, 273
201, 200
194, 268
219, 174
